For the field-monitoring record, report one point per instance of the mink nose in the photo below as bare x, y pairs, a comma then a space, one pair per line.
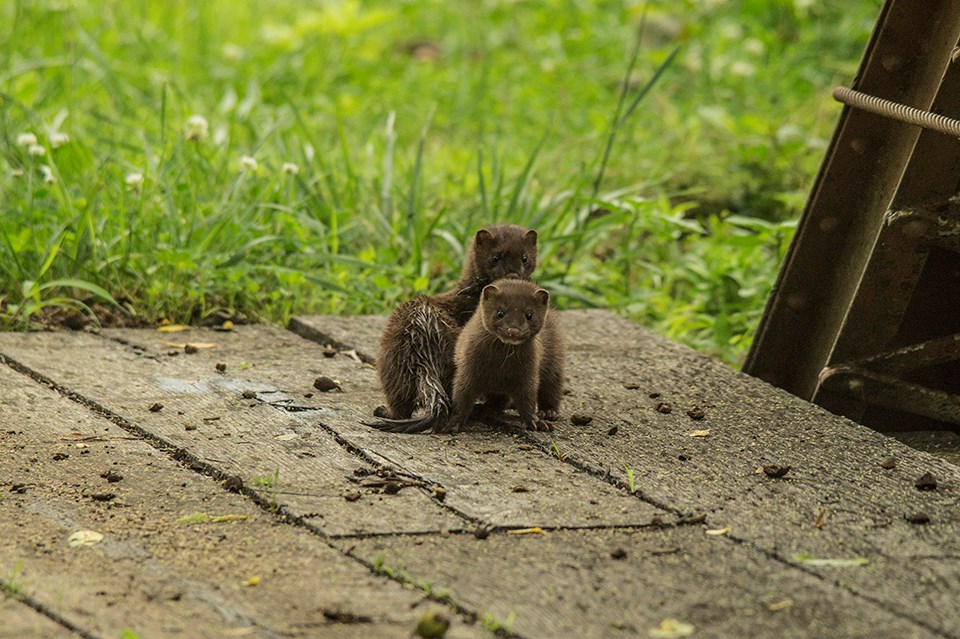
513, 333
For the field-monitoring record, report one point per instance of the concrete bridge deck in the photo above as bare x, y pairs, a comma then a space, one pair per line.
235, 499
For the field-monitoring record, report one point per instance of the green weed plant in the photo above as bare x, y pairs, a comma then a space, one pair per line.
177, 160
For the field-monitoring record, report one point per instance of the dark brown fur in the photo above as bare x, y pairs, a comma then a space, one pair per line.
415, 362
511, 349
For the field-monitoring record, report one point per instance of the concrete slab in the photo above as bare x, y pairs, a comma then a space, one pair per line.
486, 477
20, 620
152, 573
204, 413
837, 500
622, 482
627, 583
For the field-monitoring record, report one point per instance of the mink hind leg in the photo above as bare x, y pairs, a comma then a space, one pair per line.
526, 405
550, 393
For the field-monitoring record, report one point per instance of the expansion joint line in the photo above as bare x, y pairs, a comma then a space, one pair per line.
199, 466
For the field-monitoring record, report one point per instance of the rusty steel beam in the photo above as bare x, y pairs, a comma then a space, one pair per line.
888, 391
855, 186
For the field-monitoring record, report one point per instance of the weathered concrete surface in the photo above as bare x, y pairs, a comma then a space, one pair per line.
835, 502
301, 451
611, 583
20, 620
151, 573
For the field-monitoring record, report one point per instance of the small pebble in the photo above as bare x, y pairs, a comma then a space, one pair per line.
926, 482
111, 476
325, 384
233, 483
391, 488
618, 553
189, 349
664, 407
696, 413
918, 518
889, 463
156, 407
775, 471
249, 394
221, 368
580, 420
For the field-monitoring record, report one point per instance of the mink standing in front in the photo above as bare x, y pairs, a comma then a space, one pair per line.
511, 349
415, 362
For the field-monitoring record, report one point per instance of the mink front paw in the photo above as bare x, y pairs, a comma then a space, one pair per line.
382, 412
549, 415
538, 425
448, 428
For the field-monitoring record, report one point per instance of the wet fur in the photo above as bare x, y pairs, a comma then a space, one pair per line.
511, 350
416, 359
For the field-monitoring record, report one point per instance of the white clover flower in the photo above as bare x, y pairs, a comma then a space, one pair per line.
290, 168
248, 163
26, 139
37, 150
134, 180
47, 174
197, 128
742, 69
17, 173
58, 139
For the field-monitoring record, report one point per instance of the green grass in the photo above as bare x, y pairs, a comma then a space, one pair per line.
380, 136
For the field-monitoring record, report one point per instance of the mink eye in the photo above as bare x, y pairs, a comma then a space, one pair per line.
529, 315
500, 313
496, 257
524, 258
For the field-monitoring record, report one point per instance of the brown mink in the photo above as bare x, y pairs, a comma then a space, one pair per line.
511, 349
415, 361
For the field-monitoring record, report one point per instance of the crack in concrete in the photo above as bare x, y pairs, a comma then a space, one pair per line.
198, 465
7, 589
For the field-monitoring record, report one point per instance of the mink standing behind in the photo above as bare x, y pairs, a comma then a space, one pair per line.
415, 362
511, 349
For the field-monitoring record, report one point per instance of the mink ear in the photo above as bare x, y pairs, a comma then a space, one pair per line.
542, 296
531, 237
483, 236
489, 292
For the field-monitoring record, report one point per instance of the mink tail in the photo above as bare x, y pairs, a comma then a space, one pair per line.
412, 425
427, 358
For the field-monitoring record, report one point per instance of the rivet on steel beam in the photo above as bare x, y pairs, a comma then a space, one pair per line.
892, 62
797, 301
828, 224
915, 228
858, 146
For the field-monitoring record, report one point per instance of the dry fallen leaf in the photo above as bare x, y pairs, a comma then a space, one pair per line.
84, 538
700, 433
185, 344
536, 530
204, 518
783, 604
173, 328
672, 629
719, 531
810, 560
252, 581
286, 437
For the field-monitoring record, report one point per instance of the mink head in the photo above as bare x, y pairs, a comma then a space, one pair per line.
499, 251
513, 310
